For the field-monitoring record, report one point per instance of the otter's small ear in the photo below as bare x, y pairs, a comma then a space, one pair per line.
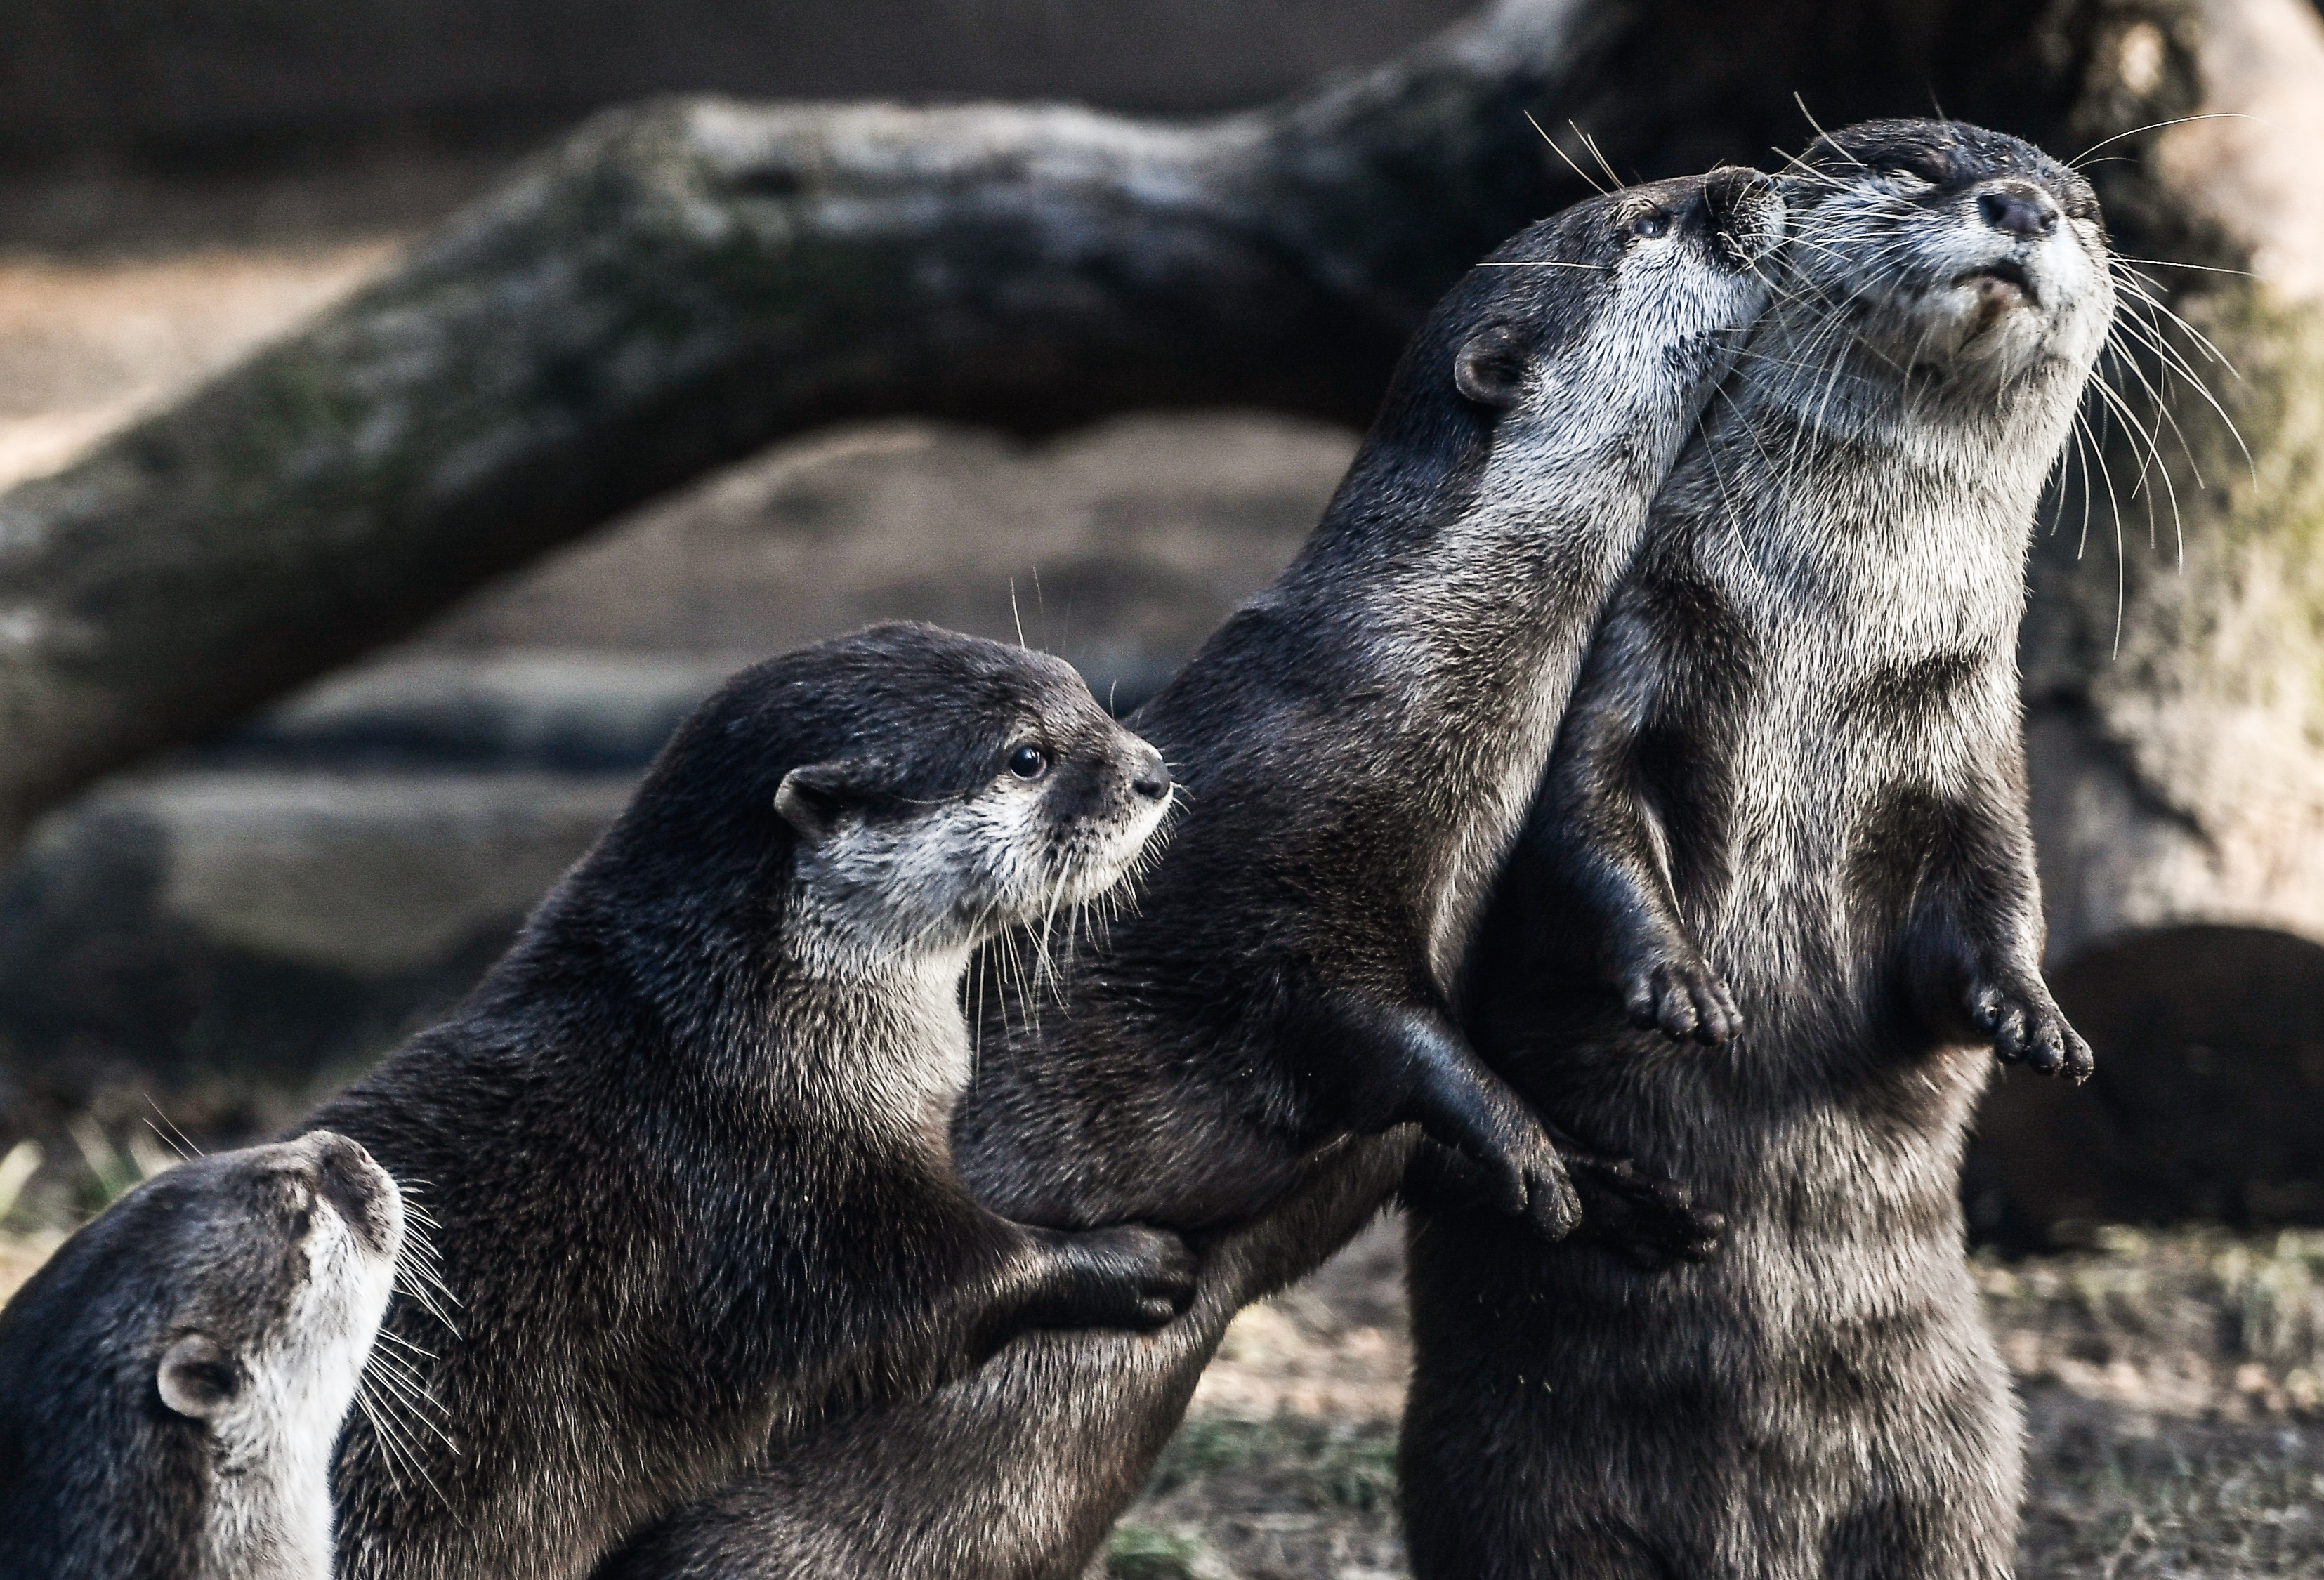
198, 1378
1489, 367
812, 799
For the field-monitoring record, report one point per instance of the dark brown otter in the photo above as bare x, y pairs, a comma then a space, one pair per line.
686, 1143
1792, 778
1359, 746
172, 1379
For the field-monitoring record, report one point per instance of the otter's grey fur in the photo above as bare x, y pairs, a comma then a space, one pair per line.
172, 1379
1791, 781
1360, 745
686, 1141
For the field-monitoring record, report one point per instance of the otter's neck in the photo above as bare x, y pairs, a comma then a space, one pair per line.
1902, 510
1466, 622
269, 1507
880, 1039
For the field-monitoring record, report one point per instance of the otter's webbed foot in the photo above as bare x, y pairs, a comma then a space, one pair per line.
1403, 1063
1463, 1105
1674, 989
1126, 1276
1650, 1221
1647, 1221
1523, 1171
2026, 1026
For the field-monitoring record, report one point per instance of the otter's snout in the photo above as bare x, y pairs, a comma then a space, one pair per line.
1744, 210
1150, 776
359, 1190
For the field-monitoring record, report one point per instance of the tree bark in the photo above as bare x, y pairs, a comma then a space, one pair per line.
679, 285
2180, 780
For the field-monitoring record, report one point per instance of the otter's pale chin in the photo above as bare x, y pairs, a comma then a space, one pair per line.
1123, 852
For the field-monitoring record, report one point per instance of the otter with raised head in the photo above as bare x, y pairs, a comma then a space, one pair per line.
686, 1139
1360, 745
1791, 781
172, 1379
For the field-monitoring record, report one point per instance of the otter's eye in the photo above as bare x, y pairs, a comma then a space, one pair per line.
1029, 762
1913, 172
1653, 223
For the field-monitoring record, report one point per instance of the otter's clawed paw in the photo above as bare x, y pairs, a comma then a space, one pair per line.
1653, 1222
1146, 1276
1682, 996
1522, 1171
2027, 1027
1535, 1186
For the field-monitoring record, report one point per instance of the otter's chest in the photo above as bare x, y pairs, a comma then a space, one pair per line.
1852, 713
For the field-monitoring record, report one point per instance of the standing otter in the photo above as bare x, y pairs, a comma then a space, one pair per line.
1361, 743
686, 1139
172, 1379
1792, 780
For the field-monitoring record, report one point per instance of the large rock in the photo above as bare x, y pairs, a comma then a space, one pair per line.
213, 930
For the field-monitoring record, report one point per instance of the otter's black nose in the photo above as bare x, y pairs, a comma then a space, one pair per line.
1152, 779
2019, 210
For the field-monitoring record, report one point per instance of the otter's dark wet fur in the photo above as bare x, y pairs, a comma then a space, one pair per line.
172, 1378
1359, 745
1792, 773
686, 1141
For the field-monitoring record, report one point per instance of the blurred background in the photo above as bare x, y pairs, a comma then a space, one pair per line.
196, 948
232, 929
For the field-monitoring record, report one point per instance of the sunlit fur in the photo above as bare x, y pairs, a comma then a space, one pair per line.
684, 1146
1358, 746
1791, 781
281, 1258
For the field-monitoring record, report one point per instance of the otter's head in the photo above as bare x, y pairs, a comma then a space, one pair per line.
930, 790
273, 1266
196, 1348
1598, 333
1963, 262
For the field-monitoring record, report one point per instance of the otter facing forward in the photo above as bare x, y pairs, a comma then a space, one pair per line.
686, 1139
1792, 780
172, 1379
1360, 745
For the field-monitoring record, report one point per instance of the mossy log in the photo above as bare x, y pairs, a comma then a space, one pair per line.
682, 283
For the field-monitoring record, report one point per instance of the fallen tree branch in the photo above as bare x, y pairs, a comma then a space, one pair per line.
674, 288
679, 285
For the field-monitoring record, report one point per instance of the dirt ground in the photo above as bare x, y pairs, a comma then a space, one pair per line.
2170, 1384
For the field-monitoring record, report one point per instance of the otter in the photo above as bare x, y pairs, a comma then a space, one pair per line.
1252, 1054
172, 1379
686, 1139
1791, 782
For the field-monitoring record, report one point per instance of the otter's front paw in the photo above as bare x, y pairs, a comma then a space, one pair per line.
1138, 1277
1683, 995
2027, 1027
1653, 1222
1513, 1161
1531, 1181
